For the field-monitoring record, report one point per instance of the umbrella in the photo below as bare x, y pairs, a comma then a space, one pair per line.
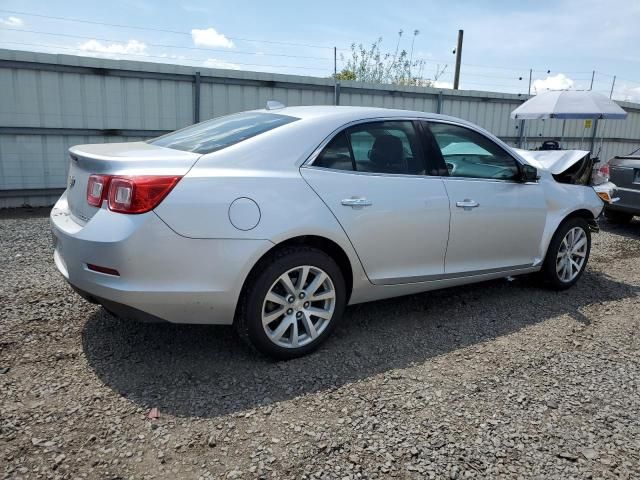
568, 104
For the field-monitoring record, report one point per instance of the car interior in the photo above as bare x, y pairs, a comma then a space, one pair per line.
467, 154
376, 149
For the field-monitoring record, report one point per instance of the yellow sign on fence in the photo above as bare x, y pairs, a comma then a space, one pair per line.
588, 123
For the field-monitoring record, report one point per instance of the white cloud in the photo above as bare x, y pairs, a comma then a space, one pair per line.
215, 63
552, 82
132, 47
442, 84
210, 38
12, 22
627, 93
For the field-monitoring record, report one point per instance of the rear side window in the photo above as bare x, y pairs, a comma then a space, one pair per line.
219, 133
377, 147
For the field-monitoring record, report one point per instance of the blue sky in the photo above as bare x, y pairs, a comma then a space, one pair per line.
503, 39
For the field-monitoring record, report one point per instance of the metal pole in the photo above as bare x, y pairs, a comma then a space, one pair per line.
439, 104
613, 84
456, 77
593, 135
521, 133
196, 97
335, 76
593, 74
530, 75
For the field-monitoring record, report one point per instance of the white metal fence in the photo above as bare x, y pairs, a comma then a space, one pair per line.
51, 102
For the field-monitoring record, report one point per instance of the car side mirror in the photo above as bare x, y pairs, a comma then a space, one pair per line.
528, 174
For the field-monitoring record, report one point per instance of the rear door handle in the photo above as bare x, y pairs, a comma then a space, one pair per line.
467, 204
356, 202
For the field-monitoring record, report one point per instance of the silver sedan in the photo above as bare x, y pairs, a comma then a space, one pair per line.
274, 220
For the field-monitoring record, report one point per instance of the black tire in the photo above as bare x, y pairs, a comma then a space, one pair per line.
549, 272
615, 216
249, 319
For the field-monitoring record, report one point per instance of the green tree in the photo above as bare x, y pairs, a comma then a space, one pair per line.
372, 65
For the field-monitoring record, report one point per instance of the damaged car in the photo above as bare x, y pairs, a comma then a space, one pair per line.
575, 167
274, 220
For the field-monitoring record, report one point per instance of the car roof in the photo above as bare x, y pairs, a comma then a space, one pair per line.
345, 114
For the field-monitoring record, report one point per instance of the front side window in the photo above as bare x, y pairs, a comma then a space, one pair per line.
216, 134
469, 154
377, 147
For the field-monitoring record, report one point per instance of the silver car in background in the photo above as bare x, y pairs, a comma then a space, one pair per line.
275, 220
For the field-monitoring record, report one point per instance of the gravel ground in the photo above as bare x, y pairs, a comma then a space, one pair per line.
496, 380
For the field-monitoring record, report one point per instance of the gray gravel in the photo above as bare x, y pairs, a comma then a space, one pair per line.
497, 380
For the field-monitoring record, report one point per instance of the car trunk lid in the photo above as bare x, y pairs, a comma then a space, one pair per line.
132, 158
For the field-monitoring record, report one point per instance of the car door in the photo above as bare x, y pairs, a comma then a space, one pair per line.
372, 177
497, 221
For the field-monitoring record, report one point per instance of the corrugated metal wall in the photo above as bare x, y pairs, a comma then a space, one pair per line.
51, 102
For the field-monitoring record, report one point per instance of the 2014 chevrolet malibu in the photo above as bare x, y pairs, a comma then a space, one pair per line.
275, 219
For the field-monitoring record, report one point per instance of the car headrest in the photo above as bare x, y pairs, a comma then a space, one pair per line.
387, 151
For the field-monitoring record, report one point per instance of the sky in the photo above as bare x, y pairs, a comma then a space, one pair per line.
561, 41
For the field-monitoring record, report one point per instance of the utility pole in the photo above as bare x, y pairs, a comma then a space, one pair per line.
336, 85
456, 77
593, 75
522, 138
613, 84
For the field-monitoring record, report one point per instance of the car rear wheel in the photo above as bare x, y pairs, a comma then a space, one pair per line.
293, 303
568, 254
614, 216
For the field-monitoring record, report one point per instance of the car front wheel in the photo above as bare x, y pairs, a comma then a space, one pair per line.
293, 303
568, 254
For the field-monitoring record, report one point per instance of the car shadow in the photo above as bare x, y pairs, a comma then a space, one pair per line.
630, 232
206, 371
631, 229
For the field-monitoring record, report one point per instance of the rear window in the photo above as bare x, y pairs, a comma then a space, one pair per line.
219, 133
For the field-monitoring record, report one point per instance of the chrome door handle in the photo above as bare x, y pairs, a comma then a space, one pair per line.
356, 202
467, 204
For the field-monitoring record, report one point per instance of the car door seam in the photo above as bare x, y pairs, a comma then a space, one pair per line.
446, 248
338, 221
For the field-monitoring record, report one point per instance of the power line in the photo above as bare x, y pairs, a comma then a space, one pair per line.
275, 42
84, 37
135, 27
162, 57
520, 72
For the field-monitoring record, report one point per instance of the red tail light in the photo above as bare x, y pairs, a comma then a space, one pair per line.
97, 188
603, 171
135, 194
139, 194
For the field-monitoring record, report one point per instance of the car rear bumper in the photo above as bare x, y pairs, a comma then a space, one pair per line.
629, 201
161, 274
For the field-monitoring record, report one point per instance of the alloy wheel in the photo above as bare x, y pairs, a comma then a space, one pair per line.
298, 306
571, 254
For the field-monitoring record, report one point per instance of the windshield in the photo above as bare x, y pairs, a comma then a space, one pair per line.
219, 133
